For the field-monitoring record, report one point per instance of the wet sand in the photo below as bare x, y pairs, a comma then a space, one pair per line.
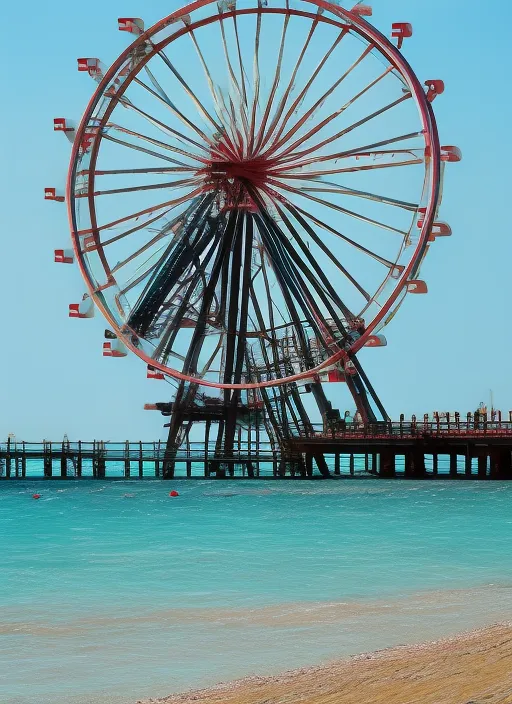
472, 668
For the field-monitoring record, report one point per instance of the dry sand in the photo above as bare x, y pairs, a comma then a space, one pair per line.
473, 668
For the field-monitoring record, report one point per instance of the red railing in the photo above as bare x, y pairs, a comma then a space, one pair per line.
412, 429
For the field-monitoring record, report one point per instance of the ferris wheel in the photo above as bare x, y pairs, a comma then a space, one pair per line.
252, 190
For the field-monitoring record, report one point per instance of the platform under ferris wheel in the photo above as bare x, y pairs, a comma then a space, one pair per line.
252, 190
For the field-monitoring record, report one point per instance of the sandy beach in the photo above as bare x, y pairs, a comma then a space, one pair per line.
471, 668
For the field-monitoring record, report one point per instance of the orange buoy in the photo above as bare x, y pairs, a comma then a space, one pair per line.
173, 493
36, 496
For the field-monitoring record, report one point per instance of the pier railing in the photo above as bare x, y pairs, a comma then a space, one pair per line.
128, 450
412, 429
382, 447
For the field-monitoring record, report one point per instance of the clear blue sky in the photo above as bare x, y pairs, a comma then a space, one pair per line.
445, 350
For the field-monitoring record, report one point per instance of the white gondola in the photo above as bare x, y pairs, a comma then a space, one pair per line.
93, 66
153, 373
134, 25
401, 31
64, 256
84, 309
114, 348
416, 286
62, 124
376, 341
55, 194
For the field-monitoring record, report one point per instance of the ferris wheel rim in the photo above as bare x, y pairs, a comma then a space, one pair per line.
429, 132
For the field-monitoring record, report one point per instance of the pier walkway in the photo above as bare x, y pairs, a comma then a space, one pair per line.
411, 449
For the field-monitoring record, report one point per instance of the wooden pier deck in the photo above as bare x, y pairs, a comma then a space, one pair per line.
456, 450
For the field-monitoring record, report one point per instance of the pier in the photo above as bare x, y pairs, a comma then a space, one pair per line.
448, 449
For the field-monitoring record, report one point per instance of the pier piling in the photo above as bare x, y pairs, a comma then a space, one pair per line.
453, 465
482, 465
468, 464
387, 464
141, 460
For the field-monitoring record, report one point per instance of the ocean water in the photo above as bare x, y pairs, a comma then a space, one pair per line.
113, 591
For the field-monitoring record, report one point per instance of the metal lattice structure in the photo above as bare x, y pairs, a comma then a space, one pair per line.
252, 190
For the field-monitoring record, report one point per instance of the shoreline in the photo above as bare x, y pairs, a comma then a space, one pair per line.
468, 668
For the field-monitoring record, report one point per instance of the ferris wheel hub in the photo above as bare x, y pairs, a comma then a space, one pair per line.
232, 179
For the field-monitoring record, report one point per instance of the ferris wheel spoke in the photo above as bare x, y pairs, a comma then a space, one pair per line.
138, 277
273, 90
256, 90
226, 242
180, 302
282, 103
151, 187
175, 261
137, 280
311, 175
142, 276
354, 152
244, 302
338, 208
138, 148
291, 282
229, 123
162, 95
313, 265
163, 98
311, 260
330, 187
354, 169
188, 90
138, 227
240, 62
305, 90
173, 327
242, 98
269, 327
282, 277
165, 231
216, 98
270, 308
166, 129
296, 321
155, 142
189, 123
158, 170
386, 262
329, 298
274, 364
338, 135
236, 305
325, 249
234, 81
159, 206
146, 267
239, 139
309, 113
139, 251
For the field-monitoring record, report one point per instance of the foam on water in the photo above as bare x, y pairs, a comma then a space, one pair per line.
113, 591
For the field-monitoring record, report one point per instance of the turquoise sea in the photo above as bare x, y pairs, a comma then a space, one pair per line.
113, 591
